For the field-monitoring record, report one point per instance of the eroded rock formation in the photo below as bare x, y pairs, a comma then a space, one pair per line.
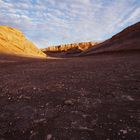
68, 47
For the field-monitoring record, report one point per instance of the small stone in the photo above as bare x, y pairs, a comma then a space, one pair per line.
33, 134
123, 131
134, 131
31, 131
34, 88
127, 97
20, 97
24, 97
68, 102
9, 98
49, 136
40, 120
84, 116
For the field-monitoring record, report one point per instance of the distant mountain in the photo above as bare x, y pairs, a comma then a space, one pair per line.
13, 42
126, 40
68, 49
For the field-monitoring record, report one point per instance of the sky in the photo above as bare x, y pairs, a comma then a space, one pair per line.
54, 22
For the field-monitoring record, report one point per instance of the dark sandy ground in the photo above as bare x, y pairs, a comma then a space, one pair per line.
85, 98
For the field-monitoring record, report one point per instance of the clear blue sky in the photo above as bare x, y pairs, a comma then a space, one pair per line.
52, 22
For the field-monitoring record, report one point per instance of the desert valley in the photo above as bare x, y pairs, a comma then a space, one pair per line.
80, 91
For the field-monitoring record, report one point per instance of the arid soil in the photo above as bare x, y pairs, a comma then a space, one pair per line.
84, 98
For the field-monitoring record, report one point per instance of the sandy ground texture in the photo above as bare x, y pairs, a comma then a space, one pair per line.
85, 98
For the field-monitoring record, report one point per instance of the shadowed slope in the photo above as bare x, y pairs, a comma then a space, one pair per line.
127, 40
13, 41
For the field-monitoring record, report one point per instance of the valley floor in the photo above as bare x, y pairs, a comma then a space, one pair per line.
85, 98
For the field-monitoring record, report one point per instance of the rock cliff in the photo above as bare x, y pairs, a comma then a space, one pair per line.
70, 47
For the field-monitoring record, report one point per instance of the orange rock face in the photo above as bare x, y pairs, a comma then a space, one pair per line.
13, 41
64, 48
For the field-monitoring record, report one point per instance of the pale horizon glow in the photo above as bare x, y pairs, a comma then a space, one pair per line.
54, 22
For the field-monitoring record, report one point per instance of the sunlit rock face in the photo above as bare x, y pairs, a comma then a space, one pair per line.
13, 41
70, 47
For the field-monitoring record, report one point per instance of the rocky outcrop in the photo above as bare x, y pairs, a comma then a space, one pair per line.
78, 47
13, 42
